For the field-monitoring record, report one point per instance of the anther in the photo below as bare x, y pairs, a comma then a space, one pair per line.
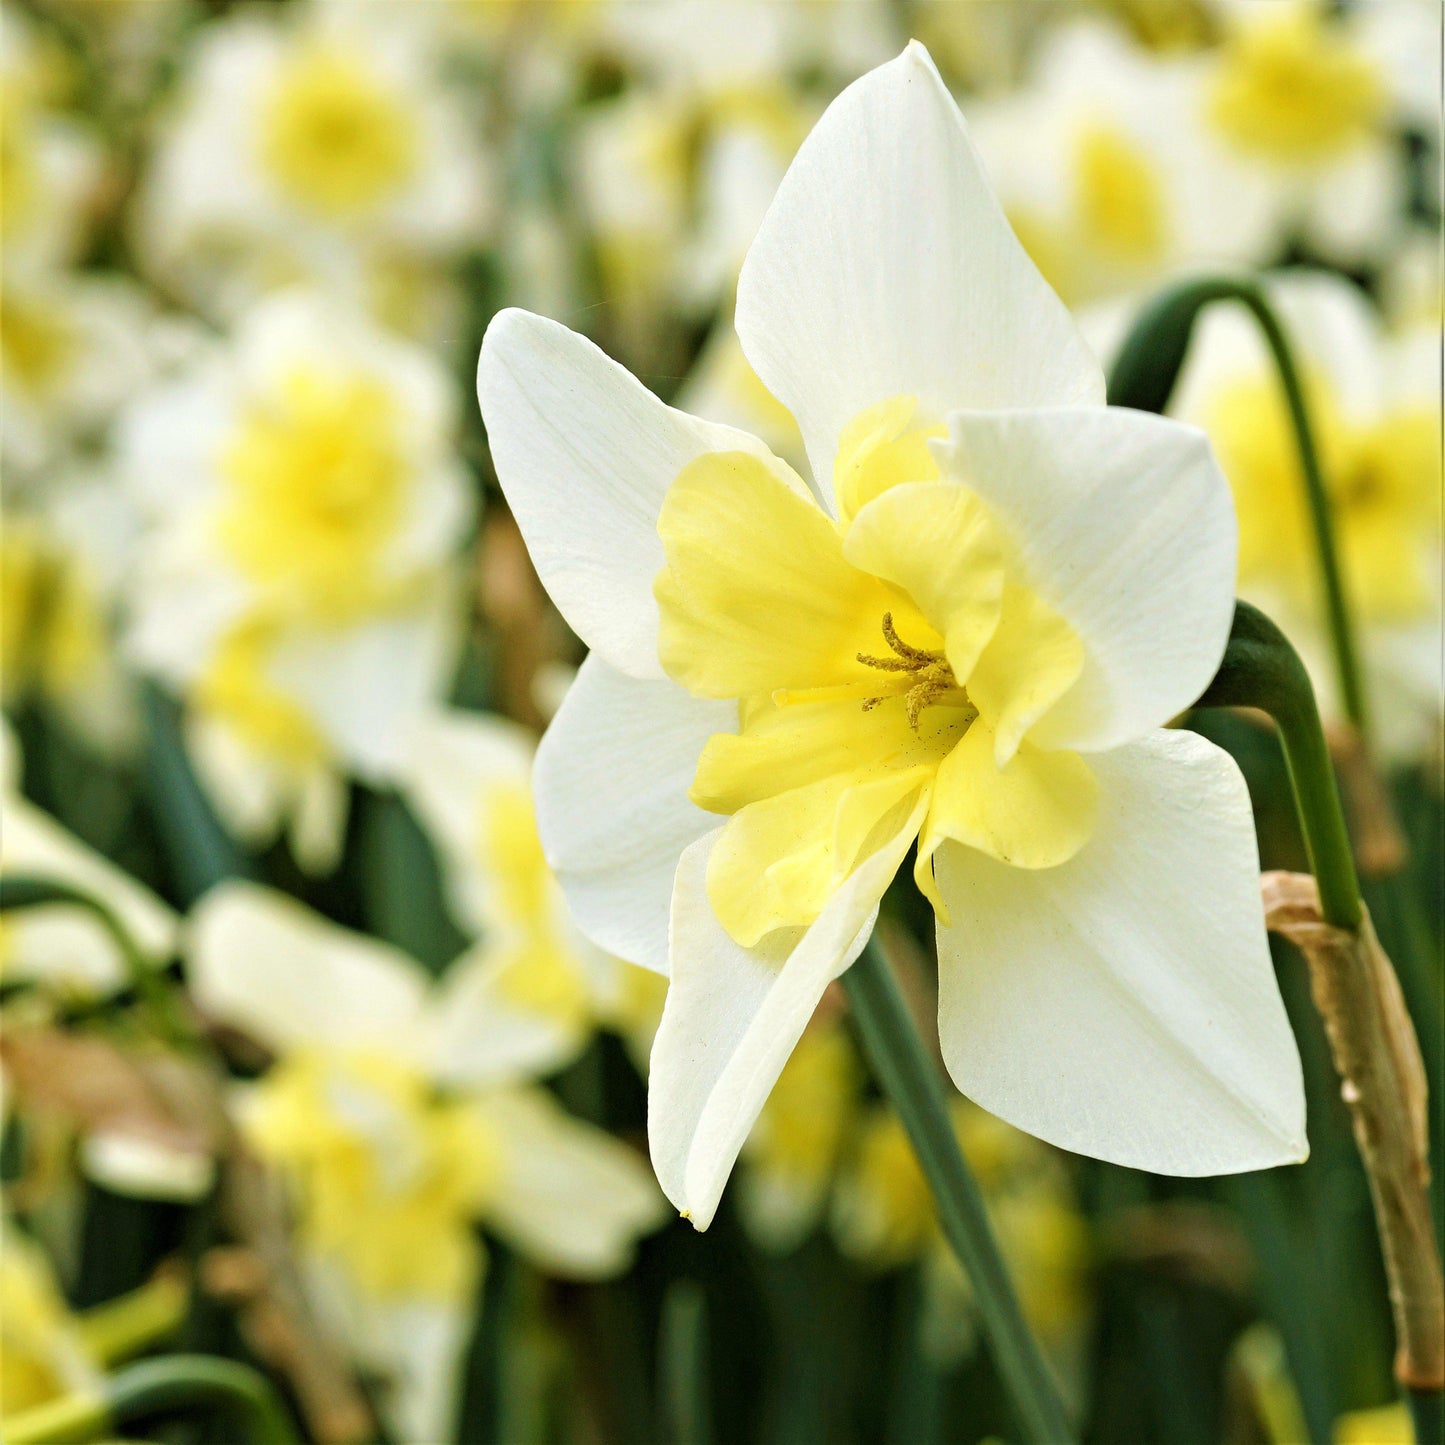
908, 659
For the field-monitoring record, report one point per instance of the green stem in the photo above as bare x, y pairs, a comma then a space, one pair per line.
1427, 1414
22, 891
165, 1385
1261, 670
1143, 376
910, 1080
686, 1416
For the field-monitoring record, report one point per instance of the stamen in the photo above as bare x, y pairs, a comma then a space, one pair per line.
908, 659
934, 679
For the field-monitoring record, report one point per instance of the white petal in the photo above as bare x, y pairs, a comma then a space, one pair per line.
885, 266
452, 758
611, 783
364, 685
267, 964
584, 453
570, 1197
480, 1037
733, 1016
1124, 525
1124, 1005
419, 1345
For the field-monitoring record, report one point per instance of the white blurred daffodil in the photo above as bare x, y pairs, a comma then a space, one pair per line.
50, 165
1304, 99
316, 145
1374, 401
296, 581
1105, 173
544, 987
383, 1110
968, 633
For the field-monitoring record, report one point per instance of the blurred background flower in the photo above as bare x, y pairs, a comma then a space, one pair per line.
305, 1063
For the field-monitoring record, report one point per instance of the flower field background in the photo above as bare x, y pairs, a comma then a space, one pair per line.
325, 1111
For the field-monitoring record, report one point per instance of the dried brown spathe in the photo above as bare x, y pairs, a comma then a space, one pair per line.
1383, 1083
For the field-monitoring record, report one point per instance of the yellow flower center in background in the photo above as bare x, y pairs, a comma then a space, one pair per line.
887, 666
1117, 196
40, 1351
541, 973
38, 344
317, 489
1292, 88
19, 179
388, 1177
53, 631
236, 689
1383, 480
335, 136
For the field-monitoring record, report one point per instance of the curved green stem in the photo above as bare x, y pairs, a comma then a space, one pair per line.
164, 1385
22, 891
1261, 670
909, 1078
1143, 376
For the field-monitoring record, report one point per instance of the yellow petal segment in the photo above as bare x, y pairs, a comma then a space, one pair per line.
1033, 658
881, 448
791, 746
935, 541
1035, 812
779, 860
756, 594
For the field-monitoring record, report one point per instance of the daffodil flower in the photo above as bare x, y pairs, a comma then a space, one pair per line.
968, 632
1374, 405
383, 1108
319, 146
541, 986
294, 579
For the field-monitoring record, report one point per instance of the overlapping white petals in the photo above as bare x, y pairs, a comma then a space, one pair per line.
733, 1016
267, 964
885, 266
1124, 526
585, 454
480, 1036
611, 783
1123, 1004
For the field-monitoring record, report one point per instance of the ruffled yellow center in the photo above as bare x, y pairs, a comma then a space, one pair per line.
335, 136
388, 1176
888, 668
317, 488
1293, 88
1383, 479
